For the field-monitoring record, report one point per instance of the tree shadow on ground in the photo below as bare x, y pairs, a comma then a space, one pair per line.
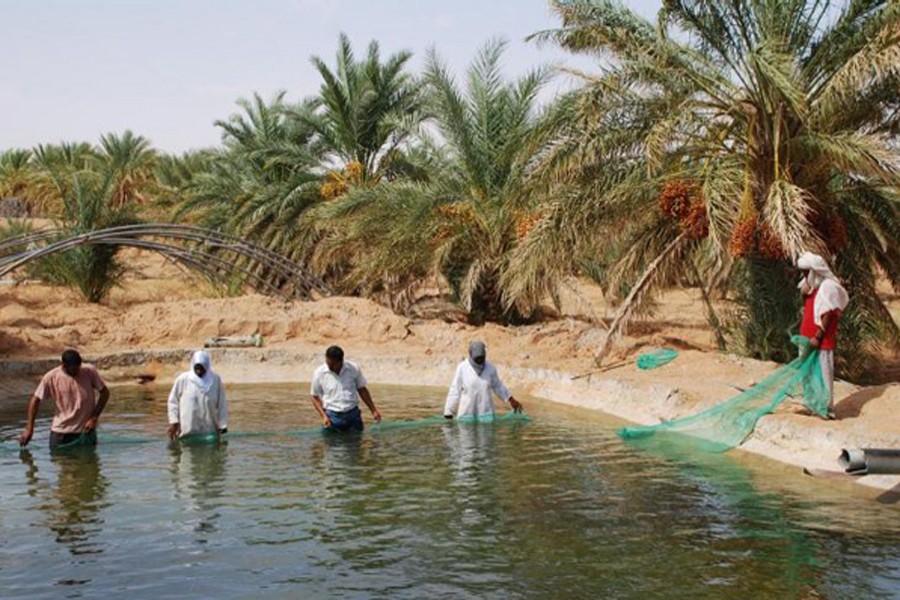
851, 406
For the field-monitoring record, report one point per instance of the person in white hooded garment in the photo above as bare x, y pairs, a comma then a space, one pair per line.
197, 403
475, 380
824, 300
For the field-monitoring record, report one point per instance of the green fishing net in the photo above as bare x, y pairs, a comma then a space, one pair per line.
385, 426
201, 439
657, 358
728, 424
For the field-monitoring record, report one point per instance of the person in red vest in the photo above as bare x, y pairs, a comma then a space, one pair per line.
824, 300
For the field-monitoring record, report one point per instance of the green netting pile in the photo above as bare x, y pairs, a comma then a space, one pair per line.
657, 358
728, 424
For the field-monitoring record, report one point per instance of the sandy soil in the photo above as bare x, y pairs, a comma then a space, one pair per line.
161, 308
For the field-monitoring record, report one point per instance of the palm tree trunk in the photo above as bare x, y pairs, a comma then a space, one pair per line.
634, 297
711, 315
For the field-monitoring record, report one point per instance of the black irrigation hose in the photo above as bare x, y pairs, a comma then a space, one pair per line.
192, 258
209, 262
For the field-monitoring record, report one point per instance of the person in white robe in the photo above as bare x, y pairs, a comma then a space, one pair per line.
475, 381
824, 301
197, 403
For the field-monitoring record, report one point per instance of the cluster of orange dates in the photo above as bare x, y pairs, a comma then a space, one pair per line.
337, 183
682, 200
459, 212
456, 211
832, 230
526, 223
753, 237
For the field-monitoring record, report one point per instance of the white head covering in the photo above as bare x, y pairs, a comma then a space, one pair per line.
818, 271
831, 294
200, 357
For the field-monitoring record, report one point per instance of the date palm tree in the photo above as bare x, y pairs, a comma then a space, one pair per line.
88, 204
365, 110
127, 158
715, 145
16, 173
266, 175
131, 161
54, 164
461, 221
174, 173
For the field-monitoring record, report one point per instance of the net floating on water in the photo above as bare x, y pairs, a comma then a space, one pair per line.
212, 438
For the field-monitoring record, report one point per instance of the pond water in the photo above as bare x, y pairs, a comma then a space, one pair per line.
558, 507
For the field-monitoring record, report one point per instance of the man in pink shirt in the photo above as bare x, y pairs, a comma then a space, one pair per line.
72, 386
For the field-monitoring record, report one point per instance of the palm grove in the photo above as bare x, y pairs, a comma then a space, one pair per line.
707, 149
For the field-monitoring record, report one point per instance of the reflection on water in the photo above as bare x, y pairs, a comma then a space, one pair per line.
730, 516
468, 447
72, 505
198, 478
555, 508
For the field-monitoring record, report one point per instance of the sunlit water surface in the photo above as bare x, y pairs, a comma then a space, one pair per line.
558, 507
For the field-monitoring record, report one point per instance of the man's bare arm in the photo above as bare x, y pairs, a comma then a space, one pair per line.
816, 341
34, 404
320, 408
102, 399
367, 398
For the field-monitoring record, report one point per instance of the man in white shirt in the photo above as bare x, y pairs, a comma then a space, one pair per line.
470, 392
337, 387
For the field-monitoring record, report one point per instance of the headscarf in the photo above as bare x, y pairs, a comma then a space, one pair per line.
831, 294
477, 349
200, 357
